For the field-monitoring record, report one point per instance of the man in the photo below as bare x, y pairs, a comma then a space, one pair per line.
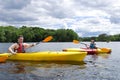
19, 47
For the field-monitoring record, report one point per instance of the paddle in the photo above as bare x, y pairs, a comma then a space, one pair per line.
4, 58
46, 39
103, 49
77, 42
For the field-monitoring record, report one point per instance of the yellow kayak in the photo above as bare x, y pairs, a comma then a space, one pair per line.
104, 50
89, 51
47, 56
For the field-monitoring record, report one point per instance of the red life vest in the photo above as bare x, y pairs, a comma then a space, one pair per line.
20, 49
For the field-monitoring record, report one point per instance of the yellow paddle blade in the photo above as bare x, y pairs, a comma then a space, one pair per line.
76, 41
48, 39
3, 58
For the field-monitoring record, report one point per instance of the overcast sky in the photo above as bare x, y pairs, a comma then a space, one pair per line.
86, 17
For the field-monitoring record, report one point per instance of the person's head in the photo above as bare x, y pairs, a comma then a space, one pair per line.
92, 41
20, 38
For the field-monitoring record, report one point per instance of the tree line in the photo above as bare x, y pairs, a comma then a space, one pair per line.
36, 34
103, 37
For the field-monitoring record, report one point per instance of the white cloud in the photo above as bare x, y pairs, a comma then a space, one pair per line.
87, 18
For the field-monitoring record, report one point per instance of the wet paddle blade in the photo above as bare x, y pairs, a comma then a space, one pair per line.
3, 58
76, 41
48, 39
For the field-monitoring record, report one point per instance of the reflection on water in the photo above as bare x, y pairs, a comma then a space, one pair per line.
104, 56
26, 66
97, 60
41, 70
20, 68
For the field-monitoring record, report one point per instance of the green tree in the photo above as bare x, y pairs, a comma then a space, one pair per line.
102, 37
63, 35
2, 34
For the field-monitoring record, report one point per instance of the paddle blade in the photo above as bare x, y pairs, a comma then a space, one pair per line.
3, 58
48, 39
76, 41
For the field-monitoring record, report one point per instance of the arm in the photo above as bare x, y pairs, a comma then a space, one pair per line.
87, 46
95, 46
10, 49
26, 45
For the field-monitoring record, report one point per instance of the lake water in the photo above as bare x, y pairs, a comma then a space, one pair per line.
102, 67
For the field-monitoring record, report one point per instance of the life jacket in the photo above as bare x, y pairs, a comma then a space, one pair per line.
20, 49
92, 46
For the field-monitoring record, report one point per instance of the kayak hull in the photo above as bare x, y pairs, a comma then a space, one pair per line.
104, 50
48, 56
89, 51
